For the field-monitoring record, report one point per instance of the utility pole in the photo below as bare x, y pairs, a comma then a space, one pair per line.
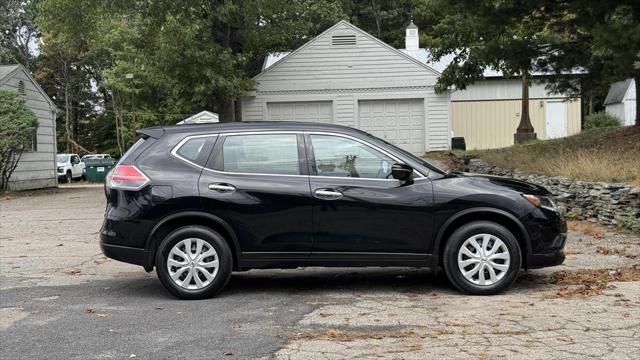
525, 131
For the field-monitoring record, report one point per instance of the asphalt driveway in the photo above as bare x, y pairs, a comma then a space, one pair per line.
61, 299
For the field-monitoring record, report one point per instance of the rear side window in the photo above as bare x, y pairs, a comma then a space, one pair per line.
196, 149
260, 154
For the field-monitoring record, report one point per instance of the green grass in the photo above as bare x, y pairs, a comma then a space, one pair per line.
604, 154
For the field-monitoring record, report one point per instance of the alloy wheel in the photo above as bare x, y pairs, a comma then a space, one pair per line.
192, 264
483, 259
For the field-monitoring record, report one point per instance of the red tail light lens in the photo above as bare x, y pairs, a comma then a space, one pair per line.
126, 177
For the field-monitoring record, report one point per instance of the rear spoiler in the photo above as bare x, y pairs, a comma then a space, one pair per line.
152, 132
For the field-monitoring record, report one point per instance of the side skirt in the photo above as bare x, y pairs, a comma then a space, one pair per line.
286, 260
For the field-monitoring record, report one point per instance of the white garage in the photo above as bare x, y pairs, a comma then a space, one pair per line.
400, 122
310, 111
348, 77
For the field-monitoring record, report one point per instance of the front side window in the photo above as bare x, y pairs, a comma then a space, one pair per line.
261, 154
342, 157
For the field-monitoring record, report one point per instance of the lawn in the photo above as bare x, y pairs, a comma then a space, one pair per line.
609, 154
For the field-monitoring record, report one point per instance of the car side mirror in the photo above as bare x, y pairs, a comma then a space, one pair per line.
401, 172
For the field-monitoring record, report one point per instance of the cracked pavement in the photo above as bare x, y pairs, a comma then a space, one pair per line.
60, 298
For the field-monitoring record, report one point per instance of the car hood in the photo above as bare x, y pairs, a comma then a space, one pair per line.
513, 184
62, 164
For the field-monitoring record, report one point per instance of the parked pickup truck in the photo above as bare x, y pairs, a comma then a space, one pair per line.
69, 167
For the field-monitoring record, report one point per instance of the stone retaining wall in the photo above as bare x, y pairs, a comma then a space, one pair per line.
600, 202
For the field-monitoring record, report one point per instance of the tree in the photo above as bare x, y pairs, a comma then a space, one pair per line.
601, 37
16, 123
18, 32
500, 35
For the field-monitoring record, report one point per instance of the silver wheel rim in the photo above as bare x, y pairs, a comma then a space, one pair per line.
484, 259
192, 264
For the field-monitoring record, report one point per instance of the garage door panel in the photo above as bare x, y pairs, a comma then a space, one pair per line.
400, 122
313, 111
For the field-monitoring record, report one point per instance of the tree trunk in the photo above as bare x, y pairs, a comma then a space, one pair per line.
525, 131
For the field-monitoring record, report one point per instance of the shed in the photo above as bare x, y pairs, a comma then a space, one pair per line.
348, 77
37, 166
621, 101
201, 118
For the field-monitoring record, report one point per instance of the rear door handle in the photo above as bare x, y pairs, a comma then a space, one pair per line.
327, 194
222, 188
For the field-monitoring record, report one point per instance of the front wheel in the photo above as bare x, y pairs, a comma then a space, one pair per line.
482, 258
68, 178
194, 262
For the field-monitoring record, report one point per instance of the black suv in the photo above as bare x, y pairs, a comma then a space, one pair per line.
200, 201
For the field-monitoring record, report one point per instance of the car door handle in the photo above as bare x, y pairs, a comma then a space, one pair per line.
222, 188
327, 194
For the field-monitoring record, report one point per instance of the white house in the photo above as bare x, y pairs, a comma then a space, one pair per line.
201, 118
37, 166
347, 76
621, 101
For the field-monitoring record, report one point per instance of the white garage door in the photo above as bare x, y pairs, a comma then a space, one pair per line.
400, 122
314, 111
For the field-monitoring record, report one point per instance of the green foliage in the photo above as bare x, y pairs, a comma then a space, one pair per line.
629, 221
600, 120
15, 124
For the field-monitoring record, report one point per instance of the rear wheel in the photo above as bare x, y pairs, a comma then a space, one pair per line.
194, 262
482, 258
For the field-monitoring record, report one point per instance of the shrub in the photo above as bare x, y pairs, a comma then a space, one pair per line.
629, 221
16, 122
600, 120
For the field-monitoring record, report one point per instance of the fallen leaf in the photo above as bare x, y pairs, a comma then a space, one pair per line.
227, 353
132, 356
325, 314
89, 310
60, 245
103, 314
564, 338
157, 307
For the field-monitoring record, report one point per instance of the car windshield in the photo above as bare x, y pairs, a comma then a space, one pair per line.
413, 157
62, 158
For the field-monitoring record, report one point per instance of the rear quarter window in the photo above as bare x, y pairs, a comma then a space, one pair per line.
195, 150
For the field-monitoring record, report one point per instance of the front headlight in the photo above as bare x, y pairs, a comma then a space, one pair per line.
544, 202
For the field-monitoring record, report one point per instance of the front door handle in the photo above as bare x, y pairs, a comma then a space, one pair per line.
222, 188
327, 194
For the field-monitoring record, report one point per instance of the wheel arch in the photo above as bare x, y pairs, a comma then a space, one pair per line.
498, 216
185, 218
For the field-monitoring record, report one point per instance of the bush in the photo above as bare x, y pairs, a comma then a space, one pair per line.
600, 120
629, 221
16, 122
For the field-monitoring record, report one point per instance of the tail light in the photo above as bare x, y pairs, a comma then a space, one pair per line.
126, 177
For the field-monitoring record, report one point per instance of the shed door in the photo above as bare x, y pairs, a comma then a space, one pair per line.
400, 122
311, 111
556, 119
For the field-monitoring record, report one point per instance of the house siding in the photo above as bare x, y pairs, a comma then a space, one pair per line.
346, 75
491, 124
35, 169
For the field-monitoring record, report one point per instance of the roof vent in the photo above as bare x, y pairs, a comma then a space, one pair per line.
21, 89
343, 40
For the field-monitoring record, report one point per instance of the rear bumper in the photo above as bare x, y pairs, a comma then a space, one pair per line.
126, 254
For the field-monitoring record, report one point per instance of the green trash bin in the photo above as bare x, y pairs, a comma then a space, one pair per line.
96, 169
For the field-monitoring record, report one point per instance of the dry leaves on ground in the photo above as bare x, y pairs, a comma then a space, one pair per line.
586, 228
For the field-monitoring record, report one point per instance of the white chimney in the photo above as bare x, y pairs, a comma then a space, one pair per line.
411, 38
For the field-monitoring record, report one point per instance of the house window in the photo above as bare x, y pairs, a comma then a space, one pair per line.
32, 141
21, 89
341, 40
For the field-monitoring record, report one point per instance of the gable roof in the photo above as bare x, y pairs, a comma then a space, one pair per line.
283, 56
201, 117
617, 91
8, 71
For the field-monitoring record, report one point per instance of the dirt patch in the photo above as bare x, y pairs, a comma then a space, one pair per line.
605, 250
586, 228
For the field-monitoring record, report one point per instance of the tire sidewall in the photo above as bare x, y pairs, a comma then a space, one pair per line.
215, 240
456, 240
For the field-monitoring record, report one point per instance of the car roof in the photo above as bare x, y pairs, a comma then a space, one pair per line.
255, 126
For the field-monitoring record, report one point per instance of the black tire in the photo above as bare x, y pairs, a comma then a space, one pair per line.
68, 178
458, 238
212, 239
